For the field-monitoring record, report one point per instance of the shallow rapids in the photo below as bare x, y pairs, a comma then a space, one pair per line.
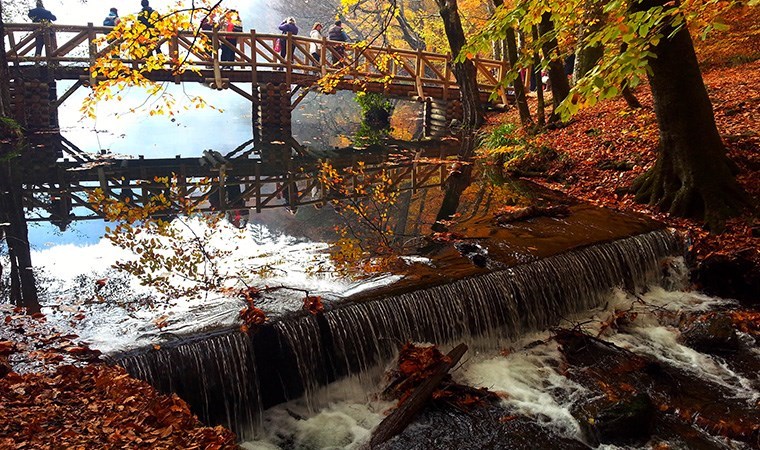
528, 374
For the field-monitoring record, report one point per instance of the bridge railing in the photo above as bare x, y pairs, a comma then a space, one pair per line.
70, 45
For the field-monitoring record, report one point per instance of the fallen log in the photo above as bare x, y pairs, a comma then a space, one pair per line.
400, 418
510, 214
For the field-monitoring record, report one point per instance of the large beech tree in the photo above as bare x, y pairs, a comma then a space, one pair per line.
692, 175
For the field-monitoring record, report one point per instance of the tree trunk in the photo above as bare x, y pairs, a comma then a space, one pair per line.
465, 72
692, 176
23, 286
511, 50
559, 84
586, 57
539, 83
520, 99
407, 32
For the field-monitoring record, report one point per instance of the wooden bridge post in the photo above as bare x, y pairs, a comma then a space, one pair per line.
274, 112
418, 74
446, 77
255, 99
174, 54
323, 55
288, 59
215, 58
93, 50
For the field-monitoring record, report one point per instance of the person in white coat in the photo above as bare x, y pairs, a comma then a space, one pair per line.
314, 48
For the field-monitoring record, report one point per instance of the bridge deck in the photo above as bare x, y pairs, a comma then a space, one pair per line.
71, 50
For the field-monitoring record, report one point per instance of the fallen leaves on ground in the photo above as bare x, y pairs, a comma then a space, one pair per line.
608, 146
98, 407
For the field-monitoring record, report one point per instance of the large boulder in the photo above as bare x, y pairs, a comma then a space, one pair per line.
730, 276
711, 333
626, 421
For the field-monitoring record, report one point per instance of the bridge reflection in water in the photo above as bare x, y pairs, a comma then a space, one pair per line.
59, 178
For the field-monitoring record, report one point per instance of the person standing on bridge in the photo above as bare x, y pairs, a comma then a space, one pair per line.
43, 16
314, 48
112, 19
287, 26
232, 24
336, 33
148, 17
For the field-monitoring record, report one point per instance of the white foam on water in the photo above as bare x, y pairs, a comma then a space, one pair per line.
531, 383
344, 422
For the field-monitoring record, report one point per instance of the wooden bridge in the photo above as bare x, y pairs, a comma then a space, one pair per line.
69, 52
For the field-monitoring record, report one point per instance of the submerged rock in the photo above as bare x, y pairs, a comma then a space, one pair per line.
490, 427
713, 333
621, 422
730, 276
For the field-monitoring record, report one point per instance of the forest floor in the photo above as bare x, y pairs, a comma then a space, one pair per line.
606, 147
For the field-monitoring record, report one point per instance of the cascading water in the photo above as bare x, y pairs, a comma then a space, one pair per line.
216, 375
228, 379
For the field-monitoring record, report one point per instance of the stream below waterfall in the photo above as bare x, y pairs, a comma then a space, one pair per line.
538, 406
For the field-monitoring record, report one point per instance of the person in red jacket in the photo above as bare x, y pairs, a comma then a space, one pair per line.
231, 23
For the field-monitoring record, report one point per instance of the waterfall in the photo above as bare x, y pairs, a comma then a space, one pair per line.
229, 378
215, 375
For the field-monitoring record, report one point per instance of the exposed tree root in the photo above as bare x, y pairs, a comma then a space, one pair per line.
712, 201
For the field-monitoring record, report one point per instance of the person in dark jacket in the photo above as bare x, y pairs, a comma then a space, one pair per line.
287, 26
148, 16
336, 33
40, 15
112, 19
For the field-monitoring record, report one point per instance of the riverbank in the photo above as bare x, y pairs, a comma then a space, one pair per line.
55, 393
606, 147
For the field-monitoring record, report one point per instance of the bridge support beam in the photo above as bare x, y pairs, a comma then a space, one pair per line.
33, 103
438, 114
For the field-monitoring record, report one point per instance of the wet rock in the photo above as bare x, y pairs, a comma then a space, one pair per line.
713, 333
5, 367
730, 276
474, 252
622, 422
490, 427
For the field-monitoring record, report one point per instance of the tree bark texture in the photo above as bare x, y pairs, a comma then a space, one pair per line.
692, 176
520, 99
550, 48
465, 72
540, 105
408, 33
511, 50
